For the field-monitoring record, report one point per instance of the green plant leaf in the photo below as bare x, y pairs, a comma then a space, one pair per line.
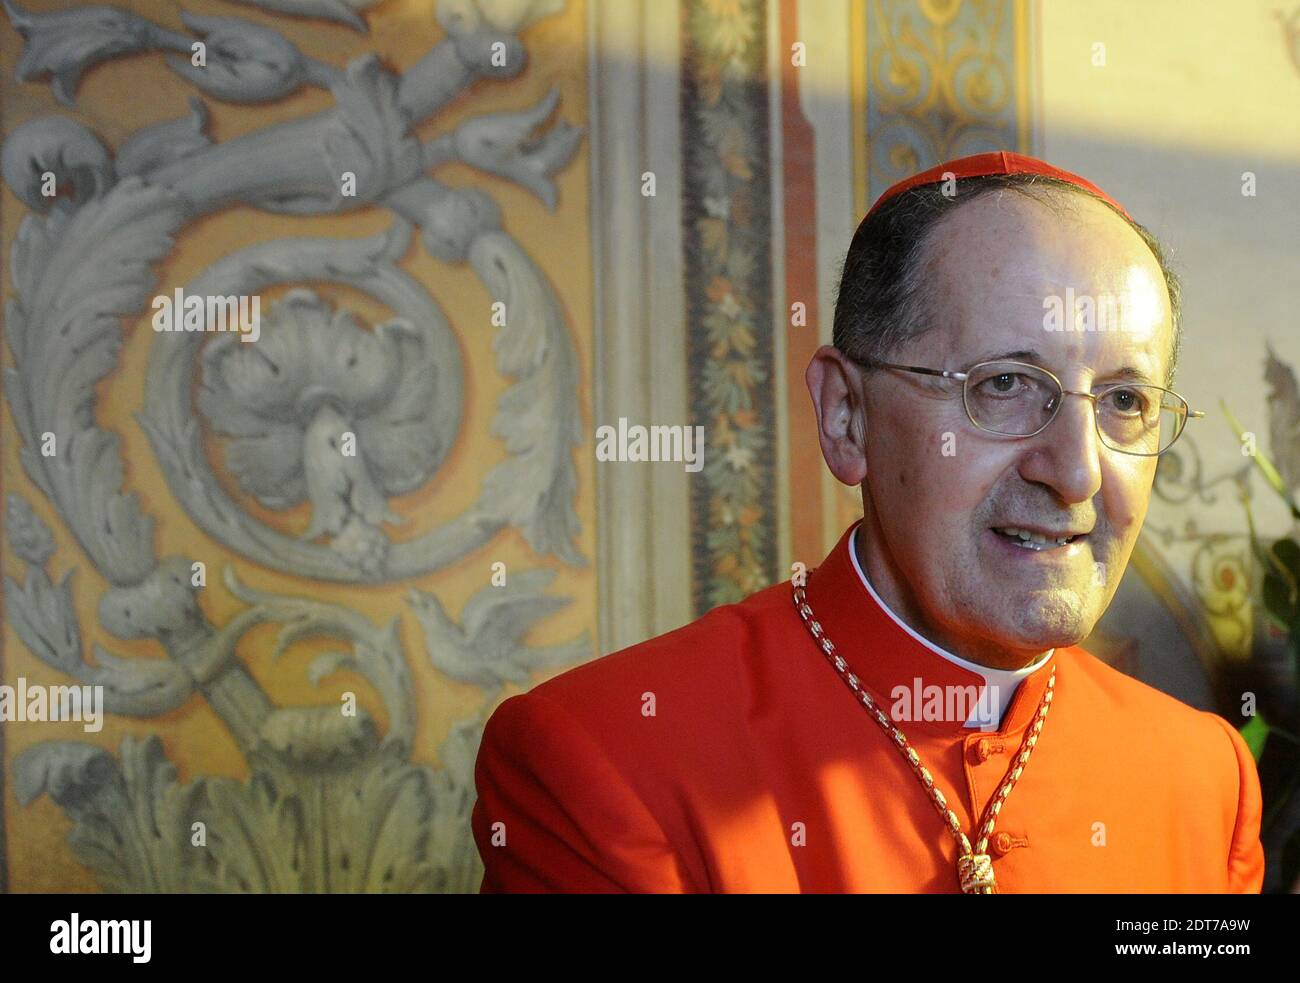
1256, 546
1255, 733
1276, 603
1264, 465
1281, 588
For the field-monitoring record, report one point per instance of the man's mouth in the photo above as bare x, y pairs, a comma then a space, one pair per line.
1032, 539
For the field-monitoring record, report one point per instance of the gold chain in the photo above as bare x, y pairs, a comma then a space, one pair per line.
974, 867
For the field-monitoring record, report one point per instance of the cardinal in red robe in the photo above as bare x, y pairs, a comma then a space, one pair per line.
915, 714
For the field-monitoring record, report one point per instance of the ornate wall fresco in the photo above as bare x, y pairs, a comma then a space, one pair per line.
178, 504
727, 205
943, 79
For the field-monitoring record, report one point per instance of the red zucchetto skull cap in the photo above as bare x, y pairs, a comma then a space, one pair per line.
998, 162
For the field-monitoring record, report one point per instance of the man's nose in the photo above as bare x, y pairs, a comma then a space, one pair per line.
1066, 455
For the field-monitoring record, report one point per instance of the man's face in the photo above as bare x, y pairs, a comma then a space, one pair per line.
936, 487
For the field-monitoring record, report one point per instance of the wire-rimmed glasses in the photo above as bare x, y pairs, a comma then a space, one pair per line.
1017, 399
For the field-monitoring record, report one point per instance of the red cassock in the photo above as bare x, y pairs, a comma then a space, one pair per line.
730, 756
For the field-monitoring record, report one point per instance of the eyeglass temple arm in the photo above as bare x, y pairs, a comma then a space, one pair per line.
942, 373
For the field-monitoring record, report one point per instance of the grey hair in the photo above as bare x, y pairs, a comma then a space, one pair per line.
882, 302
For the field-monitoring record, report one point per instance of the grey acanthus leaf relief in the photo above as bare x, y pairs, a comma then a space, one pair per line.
534, 489
30, 538
342, 11
331, 805
369, 137
162, 606
244, 62
367, 830
462, 15
486, 16
453, 789
331, 802
76, 272
501, 144
133, 821
43, 617
315, 376
59, 146
532, 494
378, 827
289, 166
67, 42
163, 143
377, 653
538, 416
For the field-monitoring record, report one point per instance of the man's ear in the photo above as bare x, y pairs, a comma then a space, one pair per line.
835, 383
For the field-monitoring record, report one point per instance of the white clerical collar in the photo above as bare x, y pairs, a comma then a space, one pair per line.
1003, 681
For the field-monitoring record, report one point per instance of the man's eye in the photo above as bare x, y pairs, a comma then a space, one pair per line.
1003, 384
1128, 401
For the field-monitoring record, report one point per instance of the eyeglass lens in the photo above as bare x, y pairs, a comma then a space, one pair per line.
1016, 399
